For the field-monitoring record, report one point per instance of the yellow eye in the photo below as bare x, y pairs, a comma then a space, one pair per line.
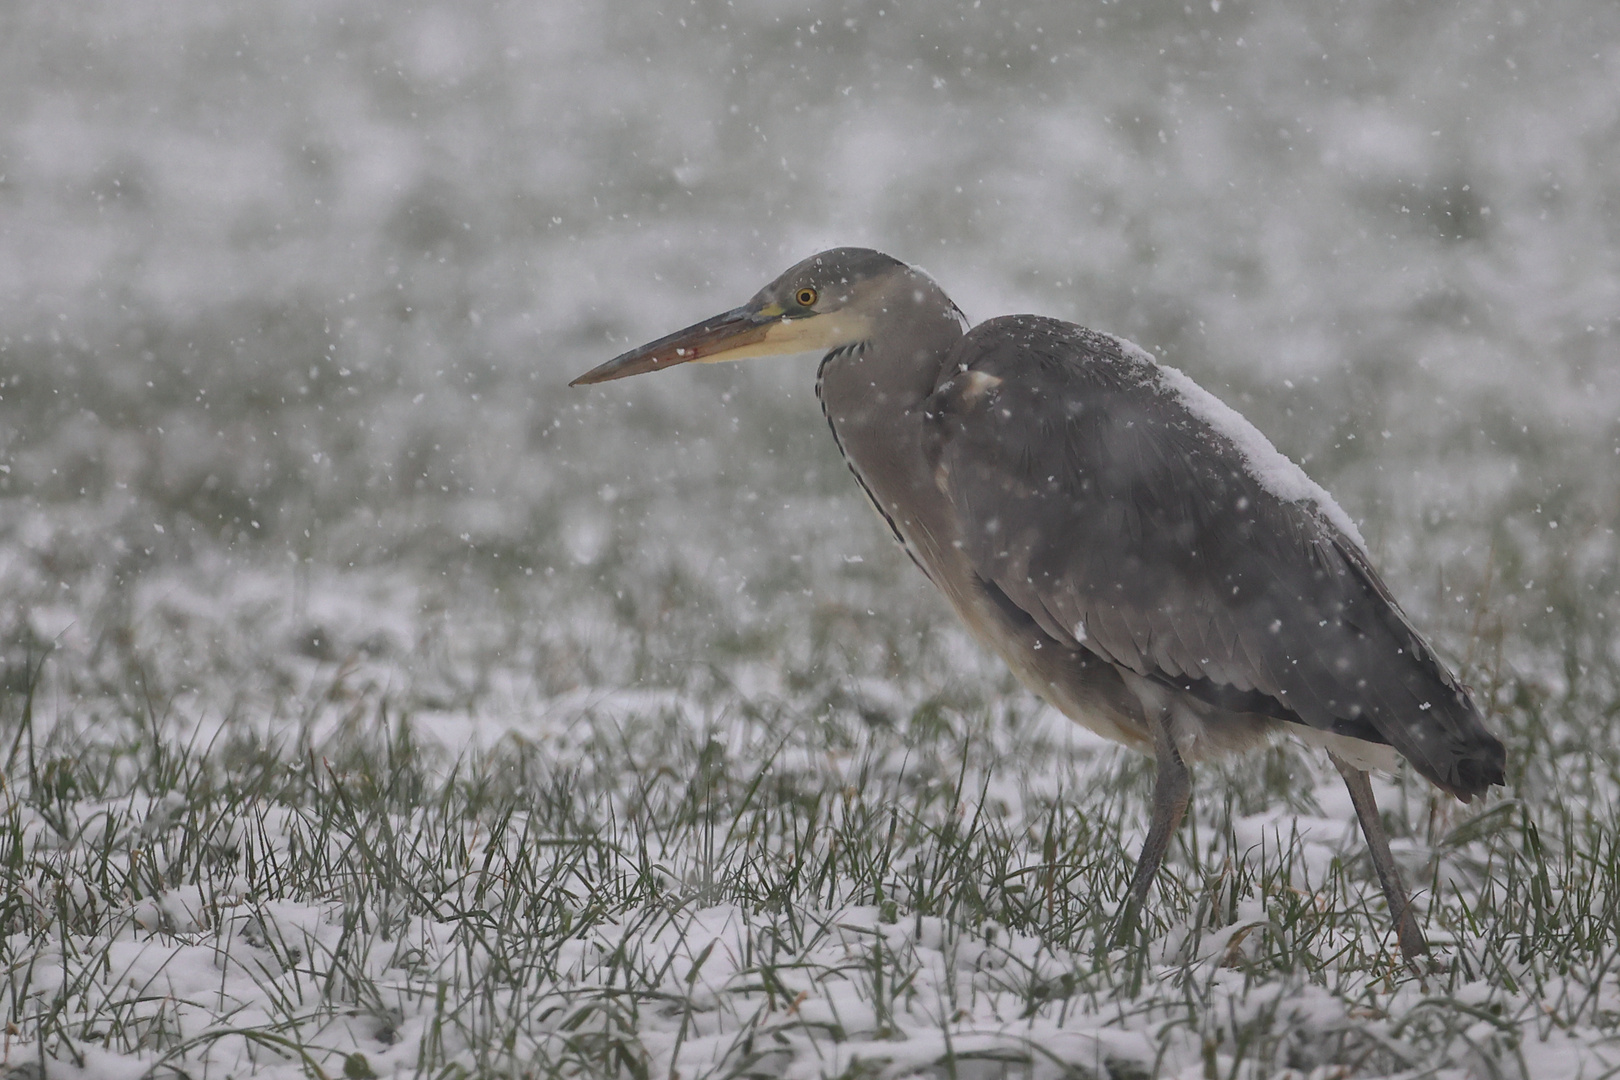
805, 297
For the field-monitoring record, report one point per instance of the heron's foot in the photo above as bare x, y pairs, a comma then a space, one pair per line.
1414, 947
1127, 924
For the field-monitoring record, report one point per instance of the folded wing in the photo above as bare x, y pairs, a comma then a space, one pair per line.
1122, 521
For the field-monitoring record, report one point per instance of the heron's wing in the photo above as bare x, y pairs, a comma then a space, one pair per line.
1093, 497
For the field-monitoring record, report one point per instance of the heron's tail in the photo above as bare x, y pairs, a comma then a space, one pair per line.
1456, 752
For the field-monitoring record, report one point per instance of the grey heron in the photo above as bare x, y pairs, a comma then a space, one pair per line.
1140, 556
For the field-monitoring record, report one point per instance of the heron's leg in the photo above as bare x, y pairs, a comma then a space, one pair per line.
1389, 875
1172, 789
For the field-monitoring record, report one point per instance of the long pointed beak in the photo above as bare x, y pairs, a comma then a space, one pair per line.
727, 336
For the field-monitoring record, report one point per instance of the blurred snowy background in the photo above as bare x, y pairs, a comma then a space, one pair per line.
297, 286
300, 285
290, 292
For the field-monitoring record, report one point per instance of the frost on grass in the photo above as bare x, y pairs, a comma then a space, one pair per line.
410, 857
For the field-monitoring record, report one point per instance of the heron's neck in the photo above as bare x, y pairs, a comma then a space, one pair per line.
872, 395
869, 384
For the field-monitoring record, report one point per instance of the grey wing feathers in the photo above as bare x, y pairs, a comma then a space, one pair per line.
1122, 523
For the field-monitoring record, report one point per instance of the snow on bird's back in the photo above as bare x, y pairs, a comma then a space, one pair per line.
1268, 465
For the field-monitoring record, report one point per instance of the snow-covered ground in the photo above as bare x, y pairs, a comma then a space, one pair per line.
367, 691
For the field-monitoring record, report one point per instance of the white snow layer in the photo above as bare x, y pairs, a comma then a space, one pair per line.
1268, 465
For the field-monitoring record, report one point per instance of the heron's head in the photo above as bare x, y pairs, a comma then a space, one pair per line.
828, 301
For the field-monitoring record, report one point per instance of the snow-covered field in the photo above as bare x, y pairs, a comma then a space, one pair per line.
372, 704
